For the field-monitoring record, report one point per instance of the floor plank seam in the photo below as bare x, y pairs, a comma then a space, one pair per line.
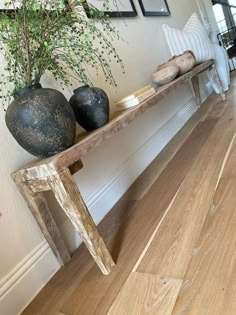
157, 275
225, 160
155, 231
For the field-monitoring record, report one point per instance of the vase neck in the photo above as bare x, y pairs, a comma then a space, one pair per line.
27, 89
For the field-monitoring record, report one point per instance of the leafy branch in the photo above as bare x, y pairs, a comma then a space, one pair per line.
57, 36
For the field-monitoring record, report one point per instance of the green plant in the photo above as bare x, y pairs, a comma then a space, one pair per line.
57, 36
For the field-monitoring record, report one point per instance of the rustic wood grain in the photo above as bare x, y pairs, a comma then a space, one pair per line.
37, 185
210, 283
39, 208
145, 294
180, 229
68, 196
53, 165
196, 91
75, 167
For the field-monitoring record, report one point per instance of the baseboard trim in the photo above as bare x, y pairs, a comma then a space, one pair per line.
16, 273
21, 285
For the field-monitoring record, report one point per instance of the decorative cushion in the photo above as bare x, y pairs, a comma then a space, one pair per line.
193, 37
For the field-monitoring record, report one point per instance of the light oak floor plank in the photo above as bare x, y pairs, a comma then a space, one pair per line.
209, 286
209, 110
145, 294
170, 251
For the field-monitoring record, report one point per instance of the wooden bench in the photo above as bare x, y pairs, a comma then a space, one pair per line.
55, 174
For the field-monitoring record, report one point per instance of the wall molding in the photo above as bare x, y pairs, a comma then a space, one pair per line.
24, 281
20, 269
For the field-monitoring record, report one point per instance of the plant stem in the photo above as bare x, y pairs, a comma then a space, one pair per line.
27, 45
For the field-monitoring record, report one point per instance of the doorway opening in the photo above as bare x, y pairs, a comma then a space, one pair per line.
225, 14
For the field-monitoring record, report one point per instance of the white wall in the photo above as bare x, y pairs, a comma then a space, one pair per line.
26, 262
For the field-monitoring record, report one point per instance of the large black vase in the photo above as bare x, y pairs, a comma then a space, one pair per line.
42, 121
91, 107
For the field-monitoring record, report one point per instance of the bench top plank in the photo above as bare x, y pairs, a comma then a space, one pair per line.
42, 168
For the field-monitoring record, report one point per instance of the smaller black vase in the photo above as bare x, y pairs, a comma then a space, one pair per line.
91, 107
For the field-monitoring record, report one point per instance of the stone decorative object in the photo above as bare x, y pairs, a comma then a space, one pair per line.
42, 121
165, 75
185, 62
91, 107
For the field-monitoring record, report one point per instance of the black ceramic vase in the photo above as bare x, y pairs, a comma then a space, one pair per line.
42, 121
91, 107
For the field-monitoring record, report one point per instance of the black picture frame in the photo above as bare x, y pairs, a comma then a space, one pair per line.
154, 13
9, 12
118, 14
112, 14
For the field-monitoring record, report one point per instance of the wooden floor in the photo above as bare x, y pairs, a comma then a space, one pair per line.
173, 234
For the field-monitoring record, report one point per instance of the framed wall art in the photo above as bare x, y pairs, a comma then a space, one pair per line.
118, 8
5, 9
154, 7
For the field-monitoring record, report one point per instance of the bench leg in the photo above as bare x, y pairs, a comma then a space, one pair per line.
196, 91
68, 196
39, 208
217, 81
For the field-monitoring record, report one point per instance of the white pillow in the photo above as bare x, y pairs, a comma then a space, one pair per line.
193, 37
